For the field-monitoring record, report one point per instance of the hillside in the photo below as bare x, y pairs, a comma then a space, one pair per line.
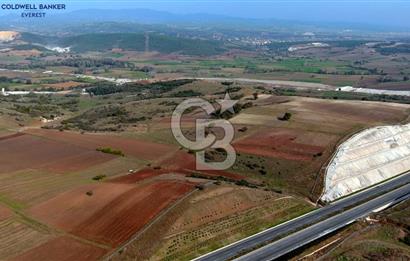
136, 42
7, 36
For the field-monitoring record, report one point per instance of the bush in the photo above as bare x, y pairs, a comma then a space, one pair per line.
99, 177
109, 150
285, 117
406, 240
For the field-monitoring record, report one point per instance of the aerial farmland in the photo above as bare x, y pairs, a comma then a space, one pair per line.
97, 164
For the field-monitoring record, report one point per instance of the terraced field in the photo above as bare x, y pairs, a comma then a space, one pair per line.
16, 236
139, 149
211, 219
29, 187
213, 235
62, 249
26, 151
114, 211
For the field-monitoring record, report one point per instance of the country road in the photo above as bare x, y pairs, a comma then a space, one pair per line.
266, 236
307, 235
304, 85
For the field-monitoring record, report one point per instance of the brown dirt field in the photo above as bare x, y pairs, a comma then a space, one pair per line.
278, 143
359, 111
6, 137
16, 237
29, 187
137, 148
210, 218
185, 162
5, 213
180, 162
62, 248
63, 85
113, 213
264, 99
27, 151
305, 142
25, 53
69, 209
140, 175
208, 206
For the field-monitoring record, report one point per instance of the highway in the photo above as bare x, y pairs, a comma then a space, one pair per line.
303, 85
245, 245
307, 235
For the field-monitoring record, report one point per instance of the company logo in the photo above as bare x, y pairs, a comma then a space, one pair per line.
31, 10
204, 140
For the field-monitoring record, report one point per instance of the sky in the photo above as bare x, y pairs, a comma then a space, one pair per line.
382, 12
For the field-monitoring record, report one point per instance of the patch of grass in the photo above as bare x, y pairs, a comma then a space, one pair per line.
16, 206
99, 177
109, 150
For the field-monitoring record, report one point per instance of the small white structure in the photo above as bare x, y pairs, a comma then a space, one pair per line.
59, 49
368, 158
295, 48
7, 93
373, 91
3, 92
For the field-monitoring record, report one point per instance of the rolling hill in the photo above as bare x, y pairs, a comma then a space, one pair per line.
128, 41
136, 42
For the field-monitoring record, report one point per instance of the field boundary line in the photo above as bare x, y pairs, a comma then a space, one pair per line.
148, 226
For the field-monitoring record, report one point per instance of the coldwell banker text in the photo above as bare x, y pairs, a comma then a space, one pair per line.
33, 10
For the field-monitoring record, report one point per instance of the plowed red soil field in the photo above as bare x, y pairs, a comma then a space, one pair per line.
180, 162
5, 213
63, 85
137, 148
62, 249
27, 151
278, 143
6, 137
113, 213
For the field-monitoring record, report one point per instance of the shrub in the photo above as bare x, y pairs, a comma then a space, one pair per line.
99, 177
109, 150
285, 117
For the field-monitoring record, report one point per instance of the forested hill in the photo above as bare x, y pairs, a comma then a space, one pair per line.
137, 42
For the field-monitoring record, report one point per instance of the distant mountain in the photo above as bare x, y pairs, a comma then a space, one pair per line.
147, 16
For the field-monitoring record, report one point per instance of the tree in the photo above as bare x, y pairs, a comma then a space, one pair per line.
255, 95
226, 83
285, 117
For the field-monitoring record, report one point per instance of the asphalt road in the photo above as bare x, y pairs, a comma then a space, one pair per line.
240, 247
307, 235
305, 85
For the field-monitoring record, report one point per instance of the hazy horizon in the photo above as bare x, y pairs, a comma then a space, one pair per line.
384, 13
393, 13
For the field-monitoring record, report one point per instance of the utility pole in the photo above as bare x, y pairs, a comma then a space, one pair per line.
146, 42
